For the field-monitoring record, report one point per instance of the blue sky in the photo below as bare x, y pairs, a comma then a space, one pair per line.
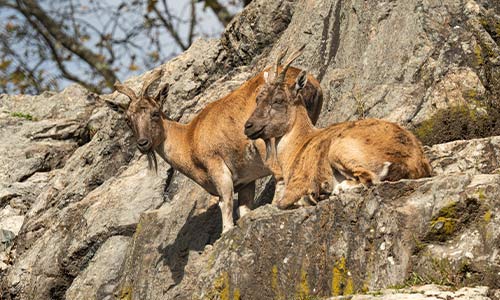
209, 27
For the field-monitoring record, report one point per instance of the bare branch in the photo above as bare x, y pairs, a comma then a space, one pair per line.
169, 26
5, 3
23, 65
56, 57
193, 22
30, 8
51, 41
220, 11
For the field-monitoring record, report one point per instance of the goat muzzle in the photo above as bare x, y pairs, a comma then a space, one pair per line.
144, 145
253, 132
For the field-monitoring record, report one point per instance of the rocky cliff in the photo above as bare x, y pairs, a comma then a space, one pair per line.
81, 217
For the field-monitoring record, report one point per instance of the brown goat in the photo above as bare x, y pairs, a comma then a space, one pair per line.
316, 162
211, 149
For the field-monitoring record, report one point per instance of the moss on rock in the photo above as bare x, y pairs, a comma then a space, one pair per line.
461, 122
443, 225
342, 283
126, 293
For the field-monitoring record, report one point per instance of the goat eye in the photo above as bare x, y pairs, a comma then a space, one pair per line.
155, 115
278, 103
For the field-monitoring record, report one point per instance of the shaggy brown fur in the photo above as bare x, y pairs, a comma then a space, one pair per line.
315, 162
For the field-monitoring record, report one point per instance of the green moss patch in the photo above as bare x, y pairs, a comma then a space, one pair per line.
460, 123
444, 224
221, 289
23, 116
453, 217
126, 293
342, 282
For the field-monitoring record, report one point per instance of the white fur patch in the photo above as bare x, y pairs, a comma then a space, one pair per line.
242, 211
385, 170
300, 82
279, 191
306, 200
345, 186
266, 77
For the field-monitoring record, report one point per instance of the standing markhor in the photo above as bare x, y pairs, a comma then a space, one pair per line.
211, 149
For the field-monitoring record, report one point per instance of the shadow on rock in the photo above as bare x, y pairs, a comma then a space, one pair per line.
198, 231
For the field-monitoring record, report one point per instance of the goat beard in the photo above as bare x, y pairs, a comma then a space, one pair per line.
271, 148
152, 162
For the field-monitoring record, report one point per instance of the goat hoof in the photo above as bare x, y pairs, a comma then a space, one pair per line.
242, 211
282, 205
305, 201
311, 199
227, 228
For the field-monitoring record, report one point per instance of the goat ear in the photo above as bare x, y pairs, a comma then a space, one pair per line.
300, 82
162, 94
117, 106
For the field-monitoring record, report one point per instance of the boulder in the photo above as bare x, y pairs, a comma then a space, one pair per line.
96, 224
425, 292
95, 284
441, 230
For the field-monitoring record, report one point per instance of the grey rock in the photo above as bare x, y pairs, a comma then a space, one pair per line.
3, 266
12, 223
98, 279
478, 156
6, 238
425, 292
440, 230
261, 24
167, 245
89, 204
368, 70
38, 134
8, 211
59, 254
75, 102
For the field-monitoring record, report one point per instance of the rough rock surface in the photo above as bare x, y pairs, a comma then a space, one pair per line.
426, 292
82, 218
93, 283
478, 156
438, 230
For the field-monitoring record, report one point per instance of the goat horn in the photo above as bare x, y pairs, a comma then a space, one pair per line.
279, 58
281, 78
149, 80
125, 90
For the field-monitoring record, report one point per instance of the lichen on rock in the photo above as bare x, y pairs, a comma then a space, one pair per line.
97, 224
